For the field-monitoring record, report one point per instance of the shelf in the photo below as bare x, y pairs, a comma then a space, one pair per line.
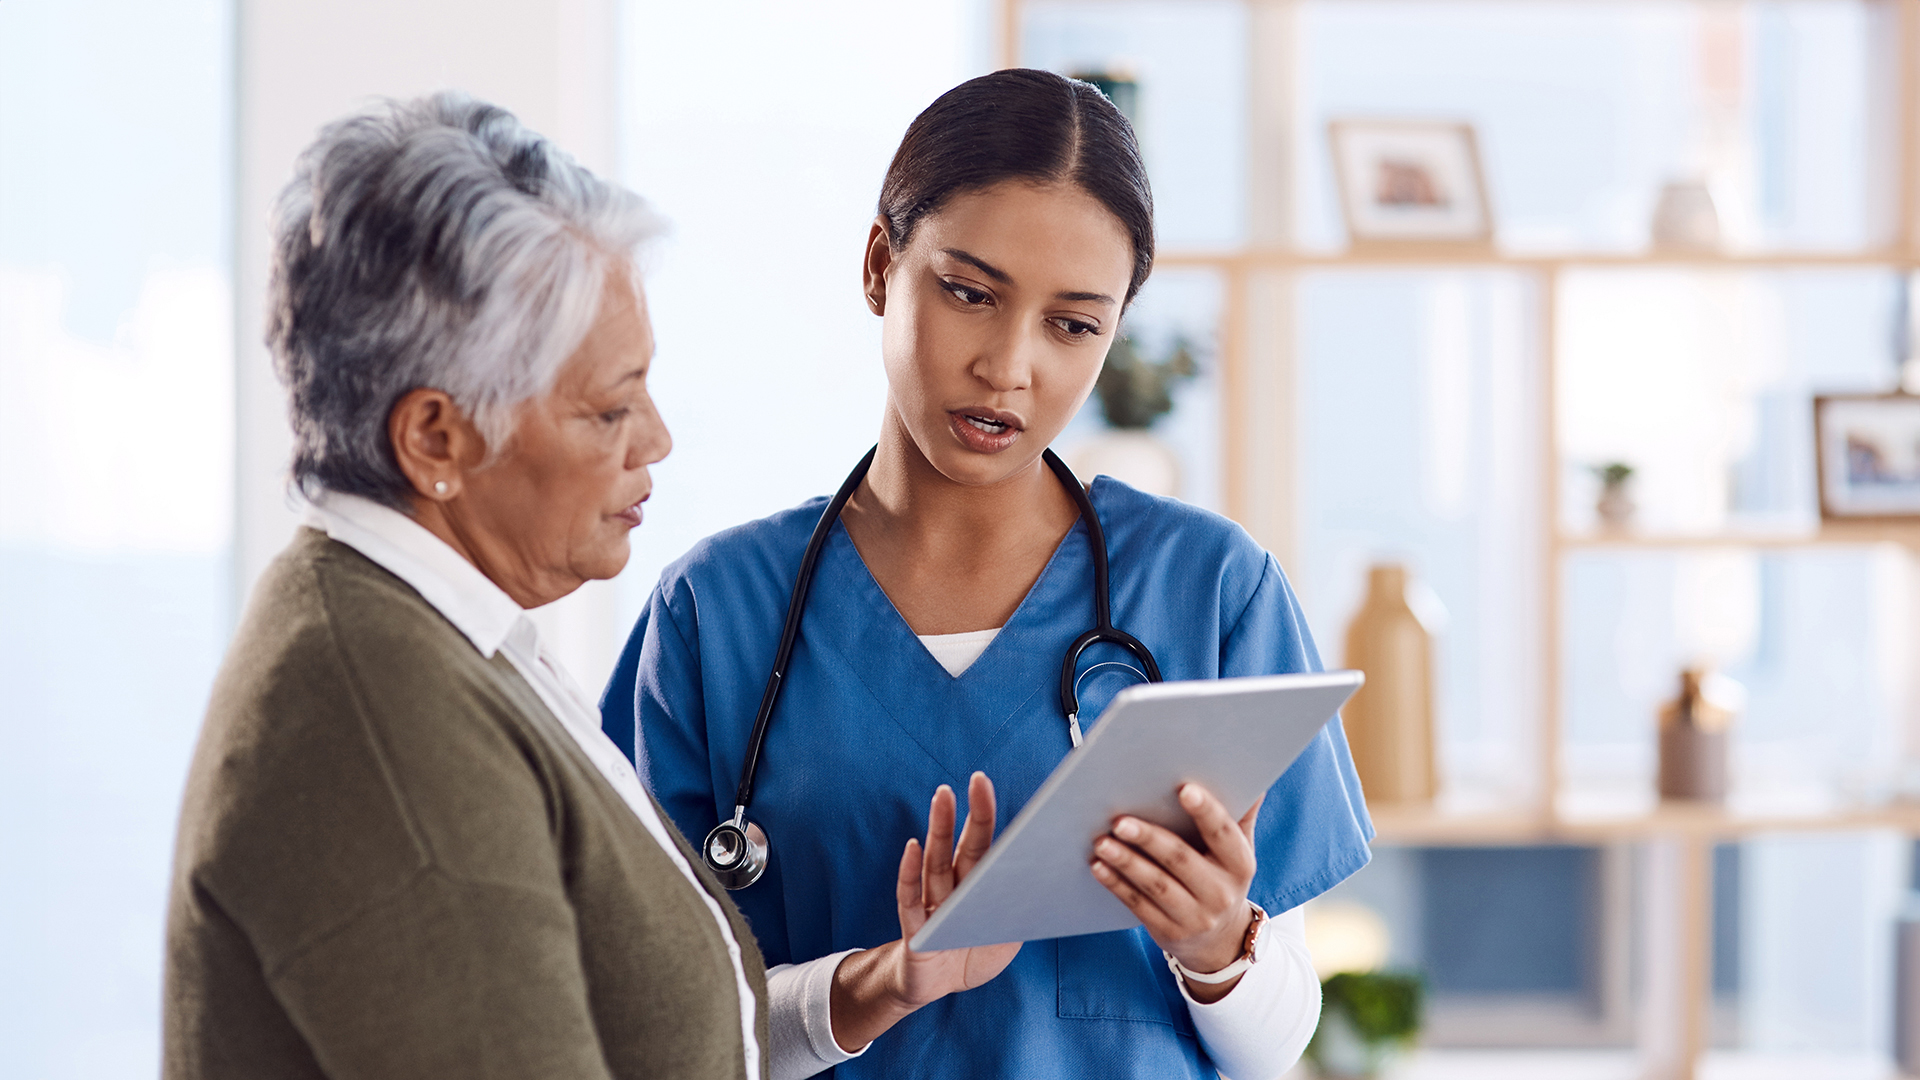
1481, 258
1832, 534
1507, 1065
1425, 826
1624, 1065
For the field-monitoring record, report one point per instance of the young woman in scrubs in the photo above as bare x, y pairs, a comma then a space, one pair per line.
1015, 226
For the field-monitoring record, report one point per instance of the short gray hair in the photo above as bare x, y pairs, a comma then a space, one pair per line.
431, 243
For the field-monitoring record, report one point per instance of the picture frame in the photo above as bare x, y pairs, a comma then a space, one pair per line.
1867, 456
1410, 183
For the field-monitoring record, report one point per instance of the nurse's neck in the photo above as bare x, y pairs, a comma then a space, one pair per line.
955, 556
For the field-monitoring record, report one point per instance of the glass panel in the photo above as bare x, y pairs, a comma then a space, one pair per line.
116, 413
1818, 638
1815, 958
1417, 441
1585, 109
1188, 58
1703, 383
1518, 946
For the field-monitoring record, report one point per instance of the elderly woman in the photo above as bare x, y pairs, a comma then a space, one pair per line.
407, 849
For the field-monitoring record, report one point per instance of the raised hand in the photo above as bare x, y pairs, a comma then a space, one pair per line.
1193, 903
927, 877
874, 989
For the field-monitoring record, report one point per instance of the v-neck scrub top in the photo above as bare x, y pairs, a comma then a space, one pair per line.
869, 724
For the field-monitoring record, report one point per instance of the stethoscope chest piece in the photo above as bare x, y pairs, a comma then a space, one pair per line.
736, 851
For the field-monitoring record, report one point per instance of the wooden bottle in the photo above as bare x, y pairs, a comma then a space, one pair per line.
1389, 722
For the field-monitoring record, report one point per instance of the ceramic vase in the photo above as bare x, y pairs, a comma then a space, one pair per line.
1614, 507
1389, 722
1343, 1055
1685, 218
1906, 1006
1693, 741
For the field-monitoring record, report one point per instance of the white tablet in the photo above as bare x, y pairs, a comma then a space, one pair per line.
1236, 736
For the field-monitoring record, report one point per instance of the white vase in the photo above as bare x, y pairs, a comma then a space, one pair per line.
1139, 458
1343, 1054
1685, 218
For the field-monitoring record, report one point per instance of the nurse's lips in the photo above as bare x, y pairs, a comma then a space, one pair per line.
985, 431
631, 515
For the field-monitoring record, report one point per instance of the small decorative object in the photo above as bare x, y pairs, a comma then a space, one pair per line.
1615, 505
1868, 448
1389, 722
1134, 392
1906, 994
1120, 87
1693, 737
1410, 182
1366, 1020
1685, 220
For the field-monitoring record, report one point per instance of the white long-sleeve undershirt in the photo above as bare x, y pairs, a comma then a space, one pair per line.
1256, 1032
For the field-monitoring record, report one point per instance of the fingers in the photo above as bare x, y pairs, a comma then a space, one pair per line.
1229, 842
977, 836
906, 891
1158, 923
936, 874
1150, 876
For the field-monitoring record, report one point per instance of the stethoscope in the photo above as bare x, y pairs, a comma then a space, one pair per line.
736, 850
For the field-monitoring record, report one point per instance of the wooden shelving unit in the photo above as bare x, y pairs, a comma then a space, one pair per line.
1258, 376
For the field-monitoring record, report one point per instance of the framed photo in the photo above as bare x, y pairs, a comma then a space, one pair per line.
1868, 449
1410, 182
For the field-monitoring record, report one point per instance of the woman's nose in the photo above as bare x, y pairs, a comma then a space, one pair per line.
1007, 363
651, 441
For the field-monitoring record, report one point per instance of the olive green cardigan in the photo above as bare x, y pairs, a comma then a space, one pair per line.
394, 862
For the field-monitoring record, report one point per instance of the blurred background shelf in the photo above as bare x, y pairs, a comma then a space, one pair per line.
1450, 408
1850, 534
1614, 1065
1277, 259
1420, 826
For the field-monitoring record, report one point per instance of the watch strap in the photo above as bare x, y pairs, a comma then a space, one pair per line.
1248, 956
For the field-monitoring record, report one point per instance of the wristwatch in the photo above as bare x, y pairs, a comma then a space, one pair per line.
1249, 955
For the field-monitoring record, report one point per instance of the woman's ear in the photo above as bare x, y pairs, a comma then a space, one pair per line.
873, 271
433, 443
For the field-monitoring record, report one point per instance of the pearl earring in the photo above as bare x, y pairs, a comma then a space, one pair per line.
439, 487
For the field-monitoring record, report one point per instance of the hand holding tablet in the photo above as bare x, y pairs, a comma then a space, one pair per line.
1234, 737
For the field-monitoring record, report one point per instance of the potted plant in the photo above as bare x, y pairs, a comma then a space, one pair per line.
1615, 505
1366, 1020
1134, 393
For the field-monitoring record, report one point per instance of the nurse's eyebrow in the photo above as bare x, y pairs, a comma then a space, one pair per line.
1005, 278
981, 265
1088, 297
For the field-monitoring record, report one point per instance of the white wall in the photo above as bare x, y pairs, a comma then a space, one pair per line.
551, 62
763, 129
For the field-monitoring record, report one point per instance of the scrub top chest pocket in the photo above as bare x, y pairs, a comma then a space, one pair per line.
1111, 977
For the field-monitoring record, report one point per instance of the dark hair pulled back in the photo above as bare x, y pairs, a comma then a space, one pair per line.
1021, 124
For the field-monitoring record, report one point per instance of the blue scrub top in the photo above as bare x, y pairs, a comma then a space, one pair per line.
870, 723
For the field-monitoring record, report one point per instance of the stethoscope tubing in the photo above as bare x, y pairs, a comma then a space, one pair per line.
790, 631
745, 844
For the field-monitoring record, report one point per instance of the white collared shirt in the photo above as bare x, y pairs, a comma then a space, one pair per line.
494, 623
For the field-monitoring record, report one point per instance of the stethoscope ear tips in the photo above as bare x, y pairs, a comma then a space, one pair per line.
736, 852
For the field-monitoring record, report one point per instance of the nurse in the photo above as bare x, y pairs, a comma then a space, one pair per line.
1014, 228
